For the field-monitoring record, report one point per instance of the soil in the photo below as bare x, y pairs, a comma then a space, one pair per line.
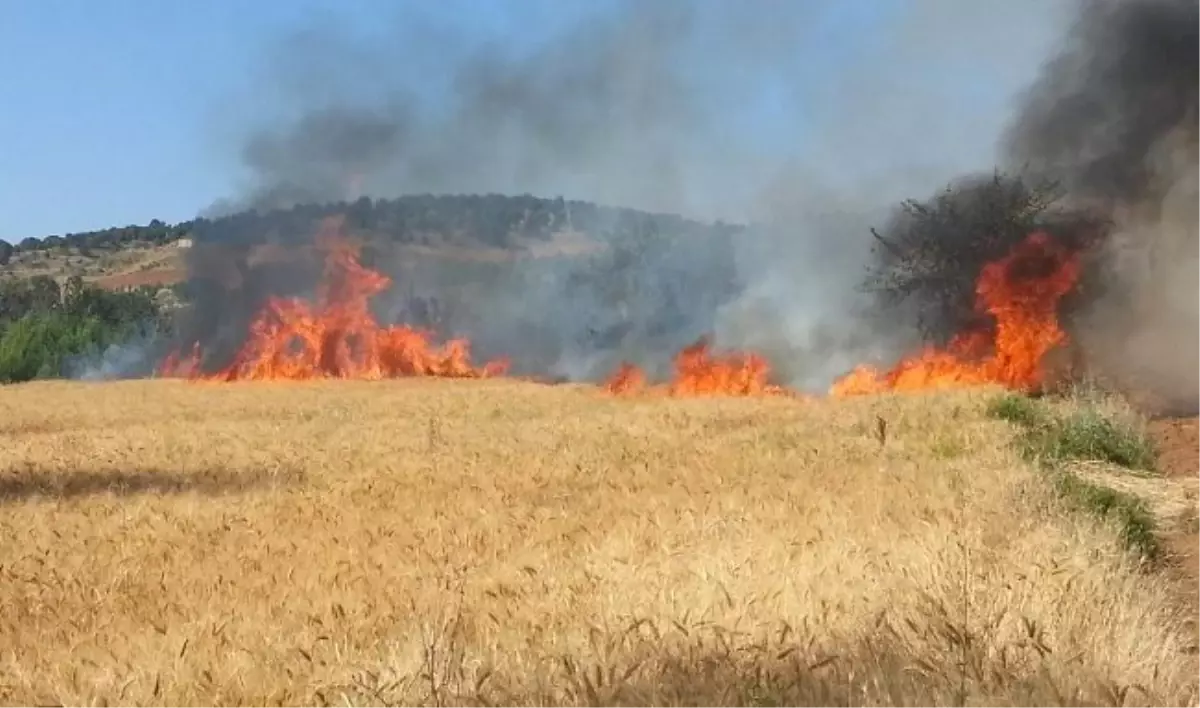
1178, 444
154, 276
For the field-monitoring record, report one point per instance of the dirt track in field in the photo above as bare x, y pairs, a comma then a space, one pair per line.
1178, 444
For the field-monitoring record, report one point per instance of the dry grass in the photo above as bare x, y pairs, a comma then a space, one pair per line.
128, 265
495, 542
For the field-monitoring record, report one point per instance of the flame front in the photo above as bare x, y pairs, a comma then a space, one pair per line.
337, 337
698, 372
1021, 292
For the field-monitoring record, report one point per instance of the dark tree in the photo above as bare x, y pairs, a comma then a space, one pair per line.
931, 253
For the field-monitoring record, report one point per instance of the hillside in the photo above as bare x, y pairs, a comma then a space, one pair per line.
458, 227
457, 264
439, 542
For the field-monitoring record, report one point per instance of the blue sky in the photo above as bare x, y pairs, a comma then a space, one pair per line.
108, 106
121, 111
117, 111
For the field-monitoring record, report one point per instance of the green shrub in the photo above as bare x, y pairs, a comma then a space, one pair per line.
1015, 408
43, 324
37, 345
1086, 433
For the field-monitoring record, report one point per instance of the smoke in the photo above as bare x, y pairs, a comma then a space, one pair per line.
133, 358
1113, 118
716, 110
1106, 105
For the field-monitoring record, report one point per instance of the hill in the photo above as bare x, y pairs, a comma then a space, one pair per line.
470, 227
441, 542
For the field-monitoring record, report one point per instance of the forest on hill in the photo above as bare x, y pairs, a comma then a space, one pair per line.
492, 220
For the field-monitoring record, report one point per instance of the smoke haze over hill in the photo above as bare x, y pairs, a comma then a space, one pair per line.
714, 111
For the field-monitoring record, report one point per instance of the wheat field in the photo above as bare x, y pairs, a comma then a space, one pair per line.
442, 542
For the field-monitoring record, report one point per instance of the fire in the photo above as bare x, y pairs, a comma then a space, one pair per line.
336, 337
626, 379
1021, 292
176, 365
698, 372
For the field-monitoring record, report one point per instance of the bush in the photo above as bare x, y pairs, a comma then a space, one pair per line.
1015, 408
1088, 435
1085, 433
1132, 516
36, 345
43, 326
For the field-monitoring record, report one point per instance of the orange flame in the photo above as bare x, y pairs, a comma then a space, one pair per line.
337, 337
626, 379
698, 372
1021, 292
174, 365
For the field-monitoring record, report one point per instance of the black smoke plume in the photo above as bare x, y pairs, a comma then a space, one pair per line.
1118, 95
1113, 119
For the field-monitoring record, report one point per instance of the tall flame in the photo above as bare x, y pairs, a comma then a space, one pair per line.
337, 337
1021, 292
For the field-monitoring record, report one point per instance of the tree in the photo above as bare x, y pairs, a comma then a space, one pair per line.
6, 252
931, 252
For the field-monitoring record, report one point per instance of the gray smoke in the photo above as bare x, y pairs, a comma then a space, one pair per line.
136, 357
1113, 117
709, 109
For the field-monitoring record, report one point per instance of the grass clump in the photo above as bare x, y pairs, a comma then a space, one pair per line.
1086, 432
1133, 517
1015, 408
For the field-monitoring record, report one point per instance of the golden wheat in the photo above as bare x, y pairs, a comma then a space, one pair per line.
479, 542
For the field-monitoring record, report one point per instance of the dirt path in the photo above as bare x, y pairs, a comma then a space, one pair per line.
1179, 445
1178, 441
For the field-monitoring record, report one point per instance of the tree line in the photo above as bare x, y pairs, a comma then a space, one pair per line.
491, 220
